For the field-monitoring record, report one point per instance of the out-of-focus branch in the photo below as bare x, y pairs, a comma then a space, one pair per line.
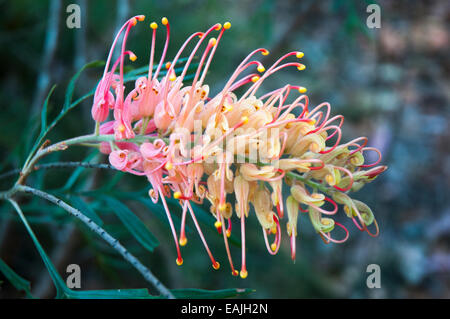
114, 243
50, 45
123, 9
80, 37
81, 58
67, 241
296, 22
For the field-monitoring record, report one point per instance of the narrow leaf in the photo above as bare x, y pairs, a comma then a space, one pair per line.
158, 210
45, 110
57, 280
67, 106
18, 282
77, 172
134, 225
210, 294
111, 294
86, 209
71, 86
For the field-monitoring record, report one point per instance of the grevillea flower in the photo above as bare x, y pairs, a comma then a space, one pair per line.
229, 149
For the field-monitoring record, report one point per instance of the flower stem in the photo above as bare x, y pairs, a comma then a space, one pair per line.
145, 122
308, 182
97, 128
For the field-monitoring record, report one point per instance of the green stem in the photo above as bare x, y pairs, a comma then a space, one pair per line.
97, 128
145, 122
79, 140
300, 178
309, 182
104, 138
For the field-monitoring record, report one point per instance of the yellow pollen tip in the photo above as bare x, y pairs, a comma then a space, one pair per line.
354, 160
179, 261
243, 274
261, 69
133, 57
218, 26
330, 180
314, 147
273, 247
300, 55
121, 128
153, 25
301, 67
265, 52
168, 166
212, 41
217, 224
172, 77
227, 108
235, 272
255, 78
228, 233
164, 21
183, 241
227, 25
244, 119
315, 195
302, 89
289, 229
274, 229
141, 17
168, 64
312, 121
177, 195
222, 207
133, 21
216, 265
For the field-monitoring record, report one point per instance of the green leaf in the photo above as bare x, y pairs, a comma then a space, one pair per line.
210, 294
57, 280
44, 111
86, 209
158, 210
18, 282
71, 86
207, 219
67, 105
82, 98
134, 225
144, 294
144, 69
77, 172
114, 180
132, 76
111, 294
203, 216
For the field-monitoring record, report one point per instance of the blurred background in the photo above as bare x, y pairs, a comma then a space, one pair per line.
391, 83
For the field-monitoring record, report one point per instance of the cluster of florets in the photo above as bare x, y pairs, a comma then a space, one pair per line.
192, 146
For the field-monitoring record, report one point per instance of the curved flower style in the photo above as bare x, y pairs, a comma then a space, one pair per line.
195, 146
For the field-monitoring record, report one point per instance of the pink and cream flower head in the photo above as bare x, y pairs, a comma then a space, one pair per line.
239, 152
